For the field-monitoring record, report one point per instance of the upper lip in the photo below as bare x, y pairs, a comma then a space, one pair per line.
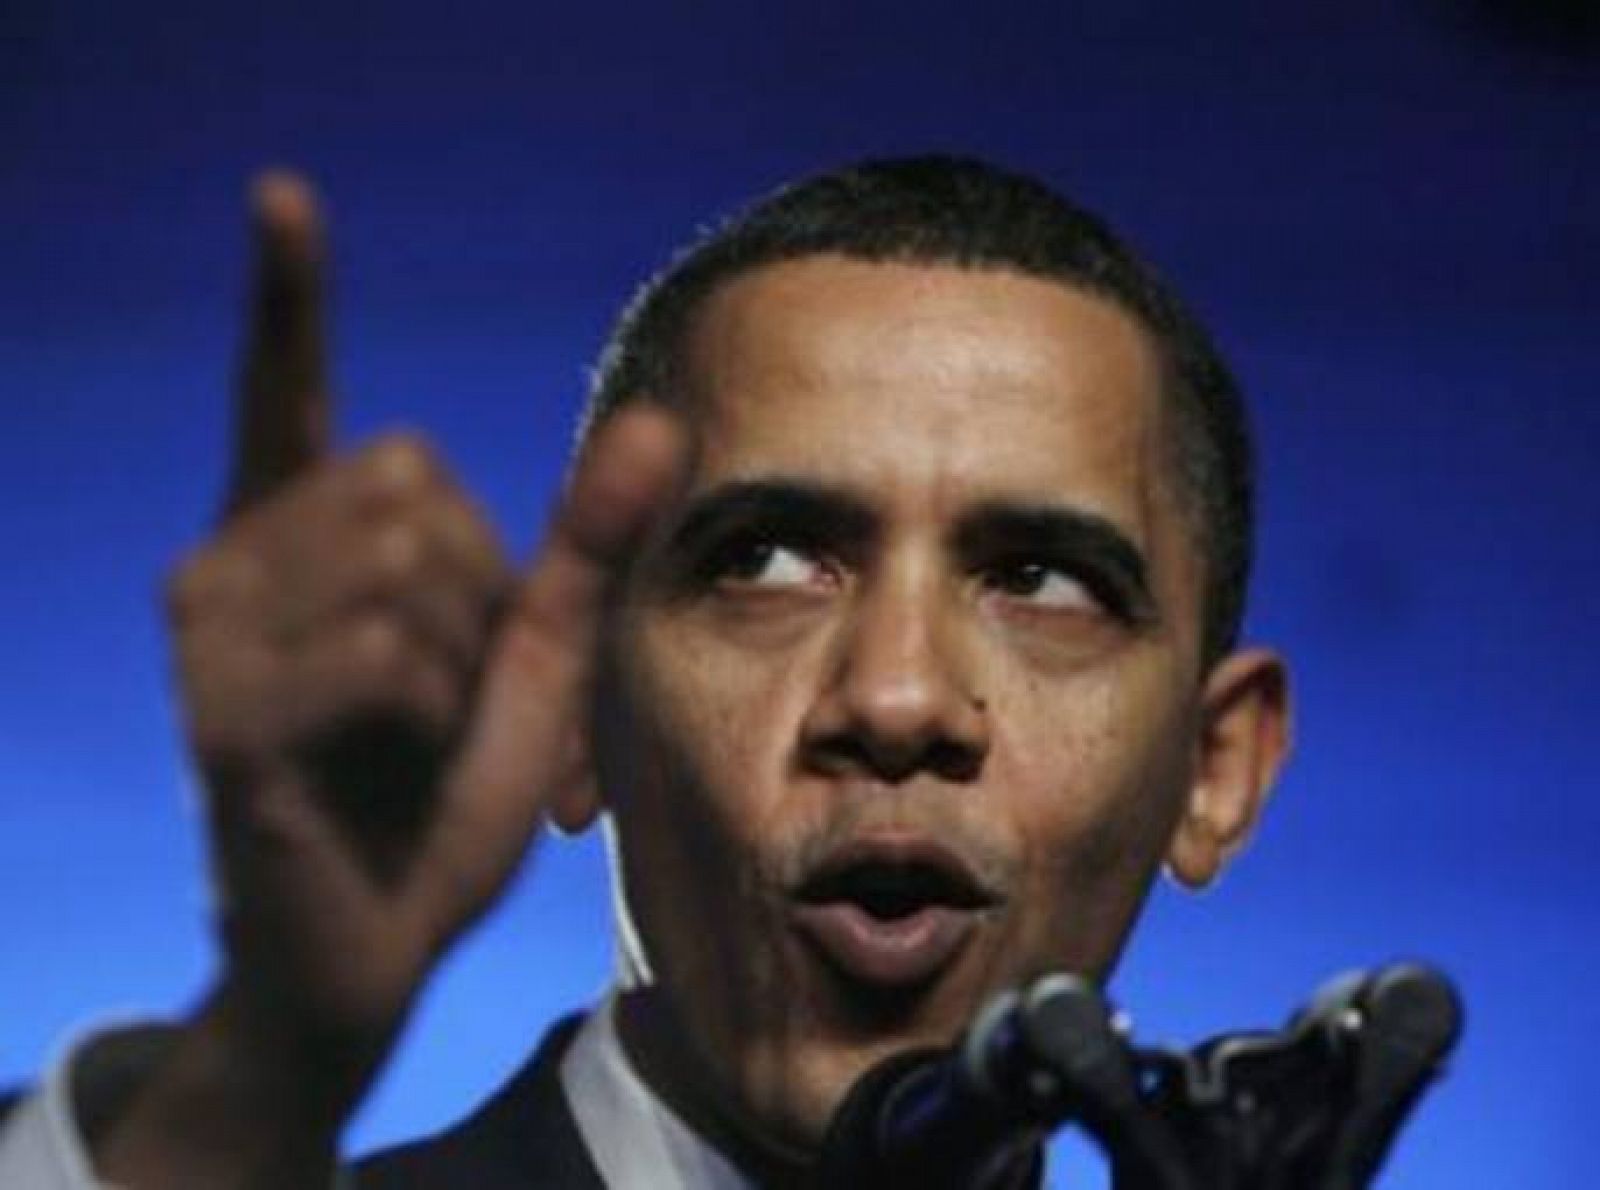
900, 868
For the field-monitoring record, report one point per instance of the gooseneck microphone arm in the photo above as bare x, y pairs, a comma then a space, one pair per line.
975, 1117
1315, 1106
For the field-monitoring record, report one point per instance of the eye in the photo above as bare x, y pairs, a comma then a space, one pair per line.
765, 563
1042, 584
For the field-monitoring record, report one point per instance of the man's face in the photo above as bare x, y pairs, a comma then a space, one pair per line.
903, 703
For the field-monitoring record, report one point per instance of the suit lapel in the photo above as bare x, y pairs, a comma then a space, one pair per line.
524, 1137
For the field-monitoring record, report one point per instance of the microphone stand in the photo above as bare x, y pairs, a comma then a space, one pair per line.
1314, 1106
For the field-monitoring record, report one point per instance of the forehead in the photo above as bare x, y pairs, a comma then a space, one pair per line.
930, 381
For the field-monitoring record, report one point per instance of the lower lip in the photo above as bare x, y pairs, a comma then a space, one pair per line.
889, 954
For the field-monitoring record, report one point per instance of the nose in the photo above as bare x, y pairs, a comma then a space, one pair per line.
899, 699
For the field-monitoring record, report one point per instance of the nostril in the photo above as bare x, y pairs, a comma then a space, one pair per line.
895, 760
954, 761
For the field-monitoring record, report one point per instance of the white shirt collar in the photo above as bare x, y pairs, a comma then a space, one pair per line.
633, 1137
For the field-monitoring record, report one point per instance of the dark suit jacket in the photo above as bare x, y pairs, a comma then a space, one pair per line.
524, 1137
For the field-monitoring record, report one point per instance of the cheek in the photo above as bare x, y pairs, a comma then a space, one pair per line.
721, 727
1100, 773
693, 748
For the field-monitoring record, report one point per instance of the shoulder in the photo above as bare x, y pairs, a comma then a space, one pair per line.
524, 1136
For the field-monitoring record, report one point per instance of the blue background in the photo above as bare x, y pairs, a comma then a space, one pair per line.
1389, 211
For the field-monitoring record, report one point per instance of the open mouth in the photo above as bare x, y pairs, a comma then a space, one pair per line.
890, 915
893, 888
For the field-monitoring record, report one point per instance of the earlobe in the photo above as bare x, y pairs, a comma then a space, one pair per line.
1241, 742
575, 806
574, 800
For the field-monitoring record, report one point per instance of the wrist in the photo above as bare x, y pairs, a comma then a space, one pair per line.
242, 1099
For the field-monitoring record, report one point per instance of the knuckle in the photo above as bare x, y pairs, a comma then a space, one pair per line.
225, 755
184, 591
400, 464
378, 646
469, 635
432, 694
230, 712
400, 552
207, 577
470, 540
416, 690
394, 670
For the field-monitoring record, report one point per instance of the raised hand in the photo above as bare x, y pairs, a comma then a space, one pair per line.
380, 710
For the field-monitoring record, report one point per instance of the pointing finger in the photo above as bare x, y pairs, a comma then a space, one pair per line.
282, 414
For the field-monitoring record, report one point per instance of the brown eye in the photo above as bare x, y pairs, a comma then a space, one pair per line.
1042, 584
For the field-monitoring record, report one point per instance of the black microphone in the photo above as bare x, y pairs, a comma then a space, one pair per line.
1315, 1105
974, 1117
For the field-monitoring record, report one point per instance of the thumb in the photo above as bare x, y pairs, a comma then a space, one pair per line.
535, 695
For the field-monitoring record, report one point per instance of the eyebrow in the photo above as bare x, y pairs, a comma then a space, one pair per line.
795, 505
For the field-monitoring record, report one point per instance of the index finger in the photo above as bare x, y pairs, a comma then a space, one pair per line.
282, 413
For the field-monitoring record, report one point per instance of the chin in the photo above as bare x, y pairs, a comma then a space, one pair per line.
832, 1034
794, 1099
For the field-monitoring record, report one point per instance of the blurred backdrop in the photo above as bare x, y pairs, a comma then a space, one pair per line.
1389, 212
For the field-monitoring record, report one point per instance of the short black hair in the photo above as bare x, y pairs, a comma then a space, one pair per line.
967, 213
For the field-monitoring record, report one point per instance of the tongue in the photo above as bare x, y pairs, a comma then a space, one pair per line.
885, 952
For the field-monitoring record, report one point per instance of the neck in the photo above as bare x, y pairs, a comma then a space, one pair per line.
655, 1042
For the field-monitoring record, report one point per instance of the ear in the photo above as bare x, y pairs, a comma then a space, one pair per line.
574, 799
1242, 741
